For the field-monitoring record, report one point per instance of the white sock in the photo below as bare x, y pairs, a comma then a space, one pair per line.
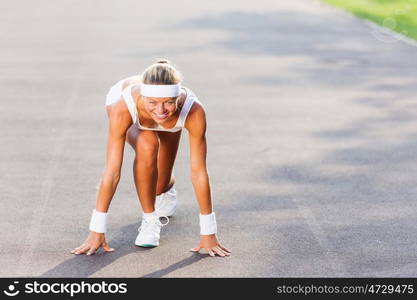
150, 215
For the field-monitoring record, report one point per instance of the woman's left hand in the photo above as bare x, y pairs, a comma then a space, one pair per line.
213, 247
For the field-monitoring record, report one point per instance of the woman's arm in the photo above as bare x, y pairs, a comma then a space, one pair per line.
196, 122
196, 125
119, 123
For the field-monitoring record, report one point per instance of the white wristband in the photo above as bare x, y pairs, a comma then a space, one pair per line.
98, 221
208, 224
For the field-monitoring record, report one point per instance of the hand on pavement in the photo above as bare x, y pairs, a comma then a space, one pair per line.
211, 245
93, 242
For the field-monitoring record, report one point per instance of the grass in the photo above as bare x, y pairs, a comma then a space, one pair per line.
397, 15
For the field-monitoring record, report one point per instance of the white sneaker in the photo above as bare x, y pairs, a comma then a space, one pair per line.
166, 203
149, 232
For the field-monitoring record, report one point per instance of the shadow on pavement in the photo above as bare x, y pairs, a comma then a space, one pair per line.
85, 266
195, 257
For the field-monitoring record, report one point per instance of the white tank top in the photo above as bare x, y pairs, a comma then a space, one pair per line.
116, 91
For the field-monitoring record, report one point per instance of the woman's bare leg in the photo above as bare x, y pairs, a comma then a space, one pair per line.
168, 148
145, 170
153, 164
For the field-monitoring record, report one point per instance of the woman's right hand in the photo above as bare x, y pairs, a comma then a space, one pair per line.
93, 242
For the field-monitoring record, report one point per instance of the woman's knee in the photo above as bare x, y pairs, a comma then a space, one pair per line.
147, 147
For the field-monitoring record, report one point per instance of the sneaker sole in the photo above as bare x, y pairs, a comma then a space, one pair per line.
147, 245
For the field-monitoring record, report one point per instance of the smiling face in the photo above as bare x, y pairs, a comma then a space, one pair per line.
160, 109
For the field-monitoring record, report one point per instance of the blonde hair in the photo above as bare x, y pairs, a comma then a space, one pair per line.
161, 72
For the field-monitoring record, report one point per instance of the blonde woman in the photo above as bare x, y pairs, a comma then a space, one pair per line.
149, 112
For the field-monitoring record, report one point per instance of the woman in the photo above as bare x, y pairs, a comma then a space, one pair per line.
148, 112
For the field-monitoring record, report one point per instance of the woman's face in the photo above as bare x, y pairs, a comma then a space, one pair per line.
160, 109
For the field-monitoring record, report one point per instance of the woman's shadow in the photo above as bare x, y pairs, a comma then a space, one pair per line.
84, 266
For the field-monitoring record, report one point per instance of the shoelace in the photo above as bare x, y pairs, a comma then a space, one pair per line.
155, 221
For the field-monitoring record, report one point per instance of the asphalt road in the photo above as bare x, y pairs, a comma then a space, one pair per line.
311, 130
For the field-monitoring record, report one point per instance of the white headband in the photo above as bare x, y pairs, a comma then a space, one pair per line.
160, 91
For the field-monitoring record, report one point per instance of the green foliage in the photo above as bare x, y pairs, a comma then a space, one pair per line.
397, 15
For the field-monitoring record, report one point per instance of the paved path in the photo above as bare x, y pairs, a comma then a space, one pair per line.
312, 138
